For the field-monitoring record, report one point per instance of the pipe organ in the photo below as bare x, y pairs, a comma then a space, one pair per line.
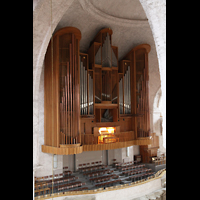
125, 92
142, 86
83, 89
62, 110
87, 91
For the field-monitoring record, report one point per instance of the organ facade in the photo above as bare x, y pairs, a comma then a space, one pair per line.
92, 100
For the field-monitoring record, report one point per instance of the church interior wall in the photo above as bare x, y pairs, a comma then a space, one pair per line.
43, 161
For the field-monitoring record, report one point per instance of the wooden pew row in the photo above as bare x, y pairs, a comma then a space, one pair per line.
68, 185
102, 177
132, 172
133, 178
133, 169
50, 176
97, 173
93, 168
83, 165
39, 191
67, 173
115, 164
109, 183
130, 166
59, 187
44, 184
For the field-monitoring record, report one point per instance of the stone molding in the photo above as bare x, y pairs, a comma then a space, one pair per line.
102, 16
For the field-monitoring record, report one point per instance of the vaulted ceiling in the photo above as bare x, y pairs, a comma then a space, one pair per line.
128, 21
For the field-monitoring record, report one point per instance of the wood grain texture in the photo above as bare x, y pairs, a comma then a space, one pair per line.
68, 125
94, 147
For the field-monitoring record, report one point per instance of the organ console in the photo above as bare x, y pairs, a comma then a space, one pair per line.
85, 91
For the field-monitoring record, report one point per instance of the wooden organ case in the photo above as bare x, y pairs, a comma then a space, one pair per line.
92, 92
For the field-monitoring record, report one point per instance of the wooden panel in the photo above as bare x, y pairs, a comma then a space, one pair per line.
115, 145
150, 150
52, 130
98, 115
65, 30
96, 131
57, 111
61, 151
66, 57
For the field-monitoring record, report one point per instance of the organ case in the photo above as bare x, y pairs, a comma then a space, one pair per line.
93, 90
62, 82
138, 57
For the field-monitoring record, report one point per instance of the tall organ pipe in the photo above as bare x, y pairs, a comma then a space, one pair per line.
69, 111
121, 95
83, 90
90, 95
106, 52
127, 93
81, 85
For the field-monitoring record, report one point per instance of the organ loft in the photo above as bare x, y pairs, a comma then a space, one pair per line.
93, 101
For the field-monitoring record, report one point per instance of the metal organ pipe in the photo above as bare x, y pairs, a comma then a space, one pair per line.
127, 93
85, 94
142, 107
83, 77
68, 100
106, 52
81, 85
84, 89
90, 95
121, 95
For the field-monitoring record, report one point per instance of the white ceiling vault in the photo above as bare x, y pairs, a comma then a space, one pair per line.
128, 21
125, 17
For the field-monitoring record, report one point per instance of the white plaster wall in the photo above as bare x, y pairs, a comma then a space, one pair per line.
104, 157
156, 13
68, 161
111, 156
118, 155
88, 157
132, 192
158, 118
136, 149
126, 158
42, 162
35, 3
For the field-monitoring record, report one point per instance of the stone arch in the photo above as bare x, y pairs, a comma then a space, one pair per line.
41, 37
157, 113
158, 118
155, 12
